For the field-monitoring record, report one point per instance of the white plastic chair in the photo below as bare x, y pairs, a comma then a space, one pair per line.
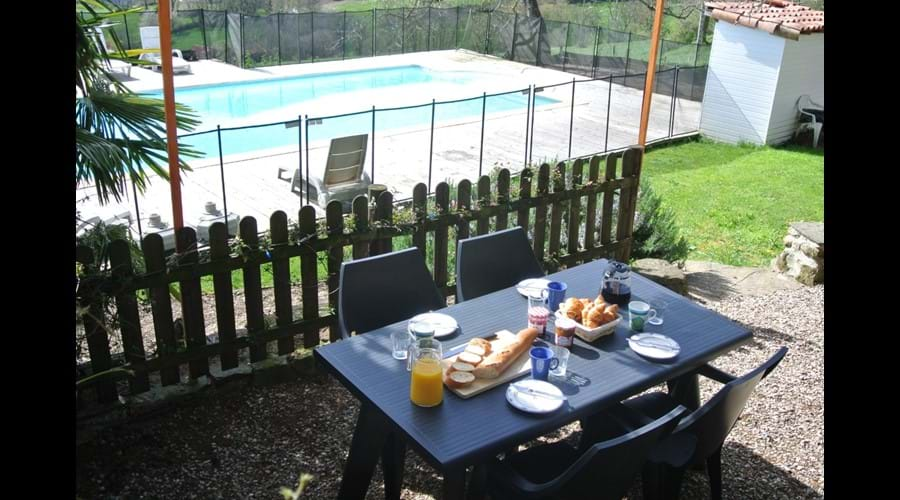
345, 176
815, 113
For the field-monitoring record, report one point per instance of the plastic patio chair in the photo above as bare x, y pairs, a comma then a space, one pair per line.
812, 116
150, 41
377, 291
603, 471
345, 177
709, 425
491, 262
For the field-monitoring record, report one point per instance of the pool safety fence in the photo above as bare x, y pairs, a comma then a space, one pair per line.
291, 38
469, 137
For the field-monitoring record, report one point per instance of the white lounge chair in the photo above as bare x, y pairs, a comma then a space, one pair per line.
345, 176
150, 41
112, 65
179, 65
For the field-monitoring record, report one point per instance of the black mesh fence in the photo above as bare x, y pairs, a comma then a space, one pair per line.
291, 38
473, 30
389, 27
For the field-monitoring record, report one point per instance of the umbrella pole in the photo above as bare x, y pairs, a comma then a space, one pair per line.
651, 72
165, 47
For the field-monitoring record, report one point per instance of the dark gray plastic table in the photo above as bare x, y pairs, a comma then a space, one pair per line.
465, 432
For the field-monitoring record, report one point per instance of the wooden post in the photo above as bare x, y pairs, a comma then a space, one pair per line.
651, 72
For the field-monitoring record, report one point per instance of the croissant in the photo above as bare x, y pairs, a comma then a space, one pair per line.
599, 300
573, 308
595, 318
586, 315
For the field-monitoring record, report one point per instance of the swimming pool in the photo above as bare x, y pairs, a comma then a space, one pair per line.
224, 103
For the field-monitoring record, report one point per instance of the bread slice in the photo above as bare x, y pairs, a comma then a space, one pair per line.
459, 379
459, 366
484, 344
470, 358
477, 350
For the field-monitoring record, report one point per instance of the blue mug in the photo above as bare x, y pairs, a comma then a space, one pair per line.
554, 294
542, 361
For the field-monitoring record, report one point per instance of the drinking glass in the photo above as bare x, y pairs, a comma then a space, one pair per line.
400, 344
660, 307
562, 354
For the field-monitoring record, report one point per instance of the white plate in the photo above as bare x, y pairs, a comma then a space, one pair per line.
443, 325
532, 403
532, 287
654, 352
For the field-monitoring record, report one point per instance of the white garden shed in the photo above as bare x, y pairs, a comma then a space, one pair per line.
764, 57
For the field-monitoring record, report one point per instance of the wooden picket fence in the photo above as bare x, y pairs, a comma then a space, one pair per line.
594, 188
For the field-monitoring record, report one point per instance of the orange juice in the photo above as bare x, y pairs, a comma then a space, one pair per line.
426, 387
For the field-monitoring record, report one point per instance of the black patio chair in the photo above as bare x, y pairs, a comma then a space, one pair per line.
605, 470
709, 425
491, 262
377, 291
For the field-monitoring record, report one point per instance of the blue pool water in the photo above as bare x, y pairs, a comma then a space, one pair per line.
223, 103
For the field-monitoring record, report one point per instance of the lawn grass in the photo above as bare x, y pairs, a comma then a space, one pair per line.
734, 203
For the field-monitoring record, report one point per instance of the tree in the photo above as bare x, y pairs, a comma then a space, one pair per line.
118, 134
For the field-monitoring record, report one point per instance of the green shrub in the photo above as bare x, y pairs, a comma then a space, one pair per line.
656, 235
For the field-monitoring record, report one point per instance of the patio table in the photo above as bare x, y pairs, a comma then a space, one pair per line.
466, 432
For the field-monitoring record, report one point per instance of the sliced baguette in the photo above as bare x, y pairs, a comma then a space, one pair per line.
498, 361
460, 379
477, 350
484, 344
459, 366
470, 358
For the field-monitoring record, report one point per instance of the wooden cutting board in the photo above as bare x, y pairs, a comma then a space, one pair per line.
521, 366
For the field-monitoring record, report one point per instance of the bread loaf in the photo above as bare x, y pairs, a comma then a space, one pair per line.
468, 357
493, 365
482, 343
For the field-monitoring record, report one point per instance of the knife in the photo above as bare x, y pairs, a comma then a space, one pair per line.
453, 351
535, 392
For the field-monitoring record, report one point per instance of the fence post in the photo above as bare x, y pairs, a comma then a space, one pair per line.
344, 38
512, 54
306, 130
608, 105
402, 30
312, 37
674, 97
537, 55
226, 36
241, 19
222, 175
374, 13
696, 54
487, 45
428, 41
566, 54
137, 211
481, 146
627, 53
456, 33
299, 39
278, 27
431, 145
572, 117
373, 144
128, 38
202, 30
527, 123
596, 58
299, 153
531, 133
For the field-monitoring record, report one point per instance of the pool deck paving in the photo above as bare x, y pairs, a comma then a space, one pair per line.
402, 155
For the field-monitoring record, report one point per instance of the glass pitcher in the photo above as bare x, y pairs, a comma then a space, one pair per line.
616, 288
426, 387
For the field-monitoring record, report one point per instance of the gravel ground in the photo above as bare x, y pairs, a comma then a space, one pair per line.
244, 441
